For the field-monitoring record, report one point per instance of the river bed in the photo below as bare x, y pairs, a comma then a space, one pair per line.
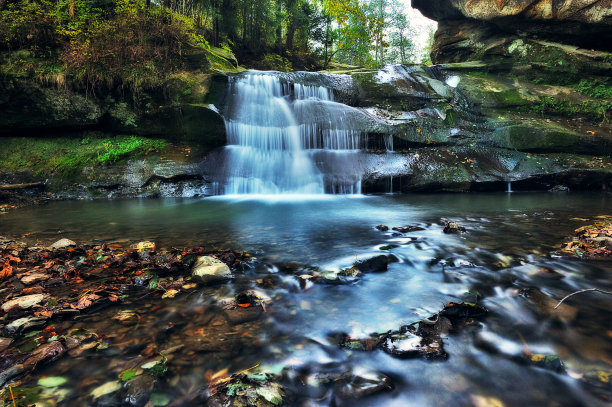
503, 262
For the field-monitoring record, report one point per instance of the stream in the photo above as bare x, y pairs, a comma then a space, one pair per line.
503, 262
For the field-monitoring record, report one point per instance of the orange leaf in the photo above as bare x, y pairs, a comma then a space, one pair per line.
6, 272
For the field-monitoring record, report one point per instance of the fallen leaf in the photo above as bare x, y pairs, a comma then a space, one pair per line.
170, 293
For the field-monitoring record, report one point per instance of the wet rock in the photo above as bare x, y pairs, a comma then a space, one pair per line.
548, 362
46, 353
362, 384
62, 244
126, 317
382, 228
208, 270
34, 278
23, 325
454, 310
138, 390
24, 302
559, 188
11, 372
545, 306
144, 246
408, 345
242, 315
376, 264
247, 390
598, 382
5, 343
453, 227
408, 228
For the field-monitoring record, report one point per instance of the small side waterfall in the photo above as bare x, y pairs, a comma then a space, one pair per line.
288, 138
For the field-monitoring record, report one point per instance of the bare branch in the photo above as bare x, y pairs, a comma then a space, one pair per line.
581, 291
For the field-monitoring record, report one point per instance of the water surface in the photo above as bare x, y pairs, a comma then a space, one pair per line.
498, 262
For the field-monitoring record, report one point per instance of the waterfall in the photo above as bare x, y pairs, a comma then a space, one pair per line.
286, 137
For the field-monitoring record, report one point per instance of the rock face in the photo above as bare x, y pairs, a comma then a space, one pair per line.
585, 23
182, 114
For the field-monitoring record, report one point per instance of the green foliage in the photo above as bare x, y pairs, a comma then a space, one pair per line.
29, 24
594, 109
274, 62
595, 89
127, 375
98, 43
68, 156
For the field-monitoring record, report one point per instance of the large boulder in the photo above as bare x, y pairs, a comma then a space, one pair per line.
488, 29
582, 22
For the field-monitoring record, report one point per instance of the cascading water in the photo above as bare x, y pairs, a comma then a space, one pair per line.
288, 138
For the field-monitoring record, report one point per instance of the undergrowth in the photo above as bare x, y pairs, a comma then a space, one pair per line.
68, 156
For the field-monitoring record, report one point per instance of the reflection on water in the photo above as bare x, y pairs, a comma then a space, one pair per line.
503, 260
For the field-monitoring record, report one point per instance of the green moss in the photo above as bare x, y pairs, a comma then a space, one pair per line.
68, 156
594, 109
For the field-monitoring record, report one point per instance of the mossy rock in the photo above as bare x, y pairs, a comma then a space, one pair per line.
27, 104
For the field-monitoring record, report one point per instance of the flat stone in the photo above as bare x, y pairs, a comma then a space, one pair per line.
25, 302
62, 244
5, 343
45, 354
208, 270
25, 324
9, 373
34, 278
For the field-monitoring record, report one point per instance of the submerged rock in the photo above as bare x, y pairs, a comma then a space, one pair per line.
259, 390
376, 264
34, 278
138, 390
24, 302
420, 339
62, 244
408, 228
22, 325
209, 270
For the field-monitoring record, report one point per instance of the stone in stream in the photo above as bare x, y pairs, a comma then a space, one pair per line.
408, 228
9, 373
46, 353
257, 389
138, 390
24, 302
362, 384
409, 345
62, 244
208, 270
376, 264
34, 278
5, 343
23, 325
452, 227
420, 339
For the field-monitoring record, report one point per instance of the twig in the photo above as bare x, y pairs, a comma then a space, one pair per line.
12, 397
581, 291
